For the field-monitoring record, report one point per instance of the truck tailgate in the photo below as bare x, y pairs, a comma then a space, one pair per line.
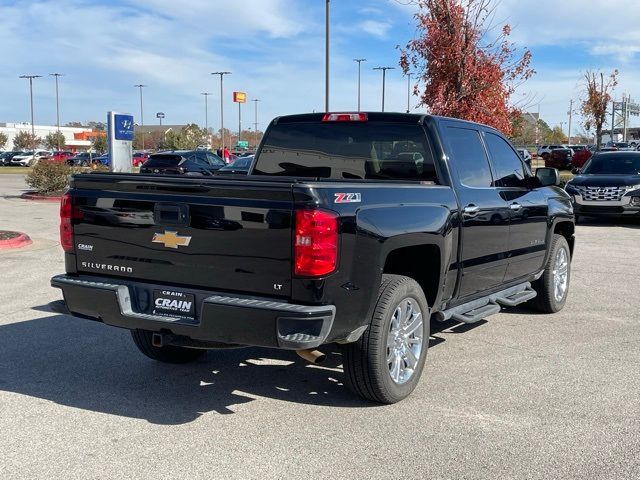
221, 235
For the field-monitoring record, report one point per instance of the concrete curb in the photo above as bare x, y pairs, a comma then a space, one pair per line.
37, 197
22, 240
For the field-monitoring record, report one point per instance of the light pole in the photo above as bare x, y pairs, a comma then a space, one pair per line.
140, 86
384, 74
326, 57
359, 60
222, 74
255, 123
408, 92
33, 131
56, 75
206, 114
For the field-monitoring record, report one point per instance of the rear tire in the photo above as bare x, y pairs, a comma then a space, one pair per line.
553, 286
386, 363
165, 354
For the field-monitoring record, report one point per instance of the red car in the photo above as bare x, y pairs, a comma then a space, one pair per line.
580, 158
61, 157
139, 158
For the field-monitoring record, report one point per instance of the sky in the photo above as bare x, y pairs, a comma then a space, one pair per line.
275, 51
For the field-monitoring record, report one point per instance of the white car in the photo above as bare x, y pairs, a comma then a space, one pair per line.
526, 156
29, 158
546, 149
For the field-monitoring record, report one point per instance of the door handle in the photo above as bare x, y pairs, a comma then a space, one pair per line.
471, 210
515, 206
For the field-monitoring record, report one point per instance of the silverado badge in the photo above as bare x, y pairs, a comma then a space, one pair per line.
171, 239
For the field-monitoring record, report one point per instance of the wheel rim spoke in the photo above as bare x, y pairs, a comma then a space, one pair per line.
404, 340
560, 274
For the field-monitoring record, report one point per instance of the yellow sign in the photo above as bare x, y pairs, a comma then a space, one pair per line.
239, 97
171, 239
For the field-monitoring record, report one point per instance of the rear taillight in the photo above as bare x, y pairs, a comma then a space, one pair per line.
316, 243
67, 214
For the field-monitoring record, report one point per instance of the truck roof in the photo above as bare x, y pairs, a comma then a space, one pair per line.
392, 117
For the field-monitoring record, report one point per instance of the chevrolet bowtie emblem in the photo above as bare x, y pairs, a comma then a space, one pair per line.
171, 239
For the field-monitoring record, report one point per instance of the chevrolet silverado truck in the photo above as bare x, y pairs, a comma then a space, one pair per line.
355, 229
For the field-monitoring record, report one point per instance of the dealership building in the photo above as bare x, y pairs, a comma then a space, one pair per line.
76, 138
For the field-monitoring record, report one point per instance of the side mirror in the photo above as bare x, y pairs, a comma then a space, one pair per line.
548, 176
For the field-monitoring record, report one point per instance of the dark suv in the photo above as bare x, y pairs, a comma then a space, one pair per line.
183, 162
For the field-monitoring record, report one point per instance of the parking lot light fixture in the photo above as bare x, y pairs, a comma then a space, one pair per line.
359, 60
33, 131
222, 74
141, 86
384, 74
56, 75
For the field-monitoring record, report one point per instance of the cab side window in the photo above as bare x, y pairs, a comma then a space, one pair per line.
506, 162
470, 158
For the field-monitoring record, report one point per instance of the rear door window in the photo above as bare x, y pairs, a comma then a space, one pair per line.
506, 162
358, 150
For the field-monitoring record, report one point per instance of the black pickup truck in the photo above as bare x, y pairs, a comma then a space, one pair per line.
351, 228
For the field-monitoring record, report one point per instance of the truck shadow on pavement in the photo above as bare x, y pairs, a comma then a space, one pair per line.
94, 367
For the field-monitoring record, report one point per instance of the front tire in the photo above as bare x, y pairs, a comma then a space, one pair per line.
386, 363
553, 286
165, 354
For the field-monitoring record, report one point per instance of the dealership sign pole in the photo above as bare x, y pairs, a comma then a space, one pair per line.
239, 98
120, 138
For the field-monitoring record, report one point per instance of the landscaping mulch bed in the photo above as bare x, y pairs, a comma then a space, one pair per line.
10, 239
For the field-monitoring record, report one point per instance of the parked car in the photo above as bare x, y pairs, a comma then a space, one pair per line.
139, 158
82, 159
61, 157
580, 158
241, 165
545, 150
5, 158
179, 162
103, 159
29, 158
559, 158
352, 228
608, 185
526, 156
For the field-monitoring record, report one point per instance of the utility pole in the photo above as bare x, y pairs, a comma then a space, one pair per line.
359, 60
384, 74
33, 131
206, 113
326, 56
408, 92
255, 123
56, 75
570, 114
222, 74
613, 119
141, 86
625, 116
537, 125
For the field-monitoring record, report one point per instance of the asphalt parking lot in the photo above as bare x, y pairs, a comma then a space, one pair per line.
521, 395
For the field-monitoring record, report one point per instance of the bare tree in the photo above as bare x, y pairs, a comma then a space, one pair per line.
594, 105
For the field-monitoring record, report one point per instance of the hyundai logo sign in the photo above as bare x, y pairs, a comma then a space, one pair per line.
123, 127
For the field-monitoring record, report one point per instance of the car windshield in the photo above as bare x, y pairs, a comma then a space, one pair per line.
614, 164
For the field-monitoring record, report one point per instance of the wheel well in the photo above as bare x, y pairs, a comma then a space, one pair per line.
566, 229
422, 263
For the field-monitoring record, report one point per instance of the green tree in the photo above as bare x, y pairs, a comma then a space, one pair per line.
3, 140
188, 138
55, 141
556, 135
99, 144
24, 141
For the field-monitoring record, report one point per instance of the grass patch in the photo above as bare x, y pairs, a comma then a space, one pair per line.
14, 170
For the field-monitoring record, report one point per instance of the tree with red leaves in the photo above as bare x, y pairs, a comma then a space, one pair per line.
466, 75
594, 106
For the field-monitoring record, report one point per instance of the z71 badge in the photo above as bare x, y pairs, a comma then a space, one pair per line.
347, 198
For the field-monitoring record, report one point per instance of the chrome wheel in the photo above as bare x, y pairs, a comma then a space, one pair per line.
561, 274
404, 340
